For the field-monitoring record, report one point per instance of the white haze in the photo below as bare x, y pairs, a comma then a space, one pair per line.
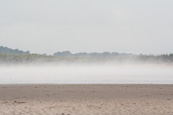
88, 73
48, 26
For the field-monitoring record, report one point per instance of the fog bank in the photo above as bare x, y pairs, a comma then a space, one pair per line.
83, 74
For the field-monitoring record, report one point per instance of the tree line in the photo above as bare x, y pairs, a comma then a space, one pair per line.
8, 55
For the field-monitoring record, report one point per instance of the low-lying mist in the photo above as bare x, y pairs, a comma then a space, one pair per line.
87, 73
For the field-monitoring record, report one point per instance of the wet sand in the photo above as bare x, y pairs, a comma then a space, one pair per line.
86, 99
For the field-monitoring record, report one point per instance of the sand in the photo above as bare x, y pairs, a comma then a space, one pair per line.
86, 99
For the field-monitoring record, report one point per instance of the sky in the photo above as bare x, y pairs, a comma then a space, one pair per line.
125, 26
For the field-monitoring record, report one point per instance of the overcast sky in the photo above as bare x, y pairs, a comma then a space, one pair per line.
48, 26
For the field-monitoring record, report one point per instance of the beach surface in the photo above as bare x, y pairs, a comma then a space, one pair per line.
86, 99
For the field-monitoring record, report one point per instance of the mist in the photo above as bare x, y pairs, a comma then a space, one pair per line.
87, 74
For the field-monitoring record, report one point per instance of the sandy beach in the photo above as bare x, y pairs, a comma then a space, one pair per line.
86, 99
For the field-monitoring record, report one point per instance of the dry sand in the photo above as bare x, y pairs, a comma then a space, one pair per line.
86, 99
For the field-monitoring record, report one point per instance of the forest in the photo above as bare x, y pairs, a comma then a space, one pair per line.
15, 56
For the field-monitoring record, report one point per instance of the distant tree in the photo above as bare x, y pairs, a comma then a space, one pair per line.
5, 50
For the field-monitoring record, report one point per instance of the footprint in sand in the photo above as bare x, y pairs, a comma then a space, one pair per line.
19, 102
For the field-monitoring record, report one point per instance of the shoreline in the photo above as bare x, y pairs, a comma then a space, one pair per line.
93, 83
80, 99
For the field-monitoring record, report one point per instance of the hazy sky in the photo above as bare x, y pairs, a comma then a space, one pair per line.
47, 26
